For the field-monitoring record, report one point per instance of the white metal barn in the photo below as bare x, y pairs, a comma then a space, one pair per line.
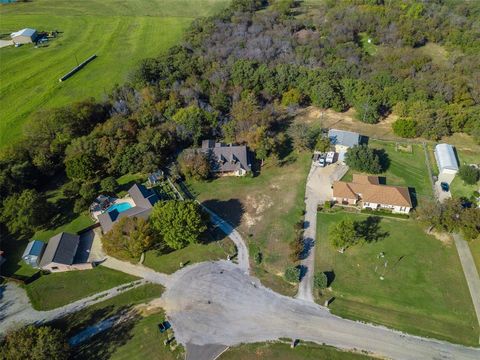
446, 159
24, 36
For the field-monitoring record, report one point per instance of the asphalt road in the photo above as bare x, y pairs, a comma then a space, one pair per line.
217, 303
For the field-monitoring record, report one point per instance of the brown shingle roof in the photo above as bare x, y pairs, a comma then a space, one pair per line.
365, 179
365, 188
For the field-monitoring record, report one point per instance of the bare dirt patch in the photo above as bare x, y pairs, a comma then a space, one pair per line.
346, 121
445, 238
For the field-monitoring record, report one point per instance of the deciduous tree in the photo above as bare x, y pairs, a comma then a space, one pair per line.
179, 223
343, 234
24, 212
129, 237
364, 159
35, 343
194, 164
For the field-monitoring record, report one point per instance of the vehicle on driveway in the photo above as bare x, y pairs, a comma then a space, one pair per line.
444, 186
319, 159
330, 157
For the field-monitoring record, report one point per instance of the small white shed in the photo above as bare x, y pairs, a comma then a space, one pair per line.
446, 159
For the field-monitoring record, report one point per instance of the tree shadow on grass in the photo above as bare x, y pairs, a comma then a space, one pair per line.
63, 213
230, 210
330, 277
103, 344
369, 229
383, 158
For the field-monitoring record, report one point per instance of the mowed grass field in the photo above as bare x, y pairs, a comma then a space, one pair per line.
120, 32
424, 291
405, 169
58, 289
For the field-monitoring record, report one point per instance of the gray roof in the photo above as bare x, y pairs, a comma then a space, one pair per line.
226, 158
144, 200
24, 32
345, 138
445, 156
60, 249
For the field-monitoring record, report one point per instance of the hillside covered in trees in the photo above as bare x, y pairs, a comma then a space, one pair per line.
237, 76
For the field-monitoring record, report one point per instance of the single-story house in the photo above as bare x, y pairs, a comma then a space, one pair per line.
446, 159
24, 36
60, 252
367, 192
343, 140
143, 200
155, 177
227, 159
33, 252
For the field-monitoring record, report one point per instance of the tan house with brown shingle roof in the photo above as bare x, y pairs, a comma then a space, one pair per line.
367, 192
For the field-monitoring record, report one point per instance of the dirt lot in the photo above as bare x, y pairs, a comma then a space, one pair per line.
346, 121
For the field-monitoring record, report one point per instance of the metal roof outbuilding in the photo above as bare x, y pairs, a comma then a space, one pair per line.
446, 159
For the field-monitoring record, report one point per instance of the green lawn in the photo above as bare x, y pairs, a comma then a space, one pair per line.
169, 263
136, 338
58, 289
264, 209
146, 342
458, 187
120, 32
14, 264
369, 47
424, 291
405, 169
280, 351
78, 223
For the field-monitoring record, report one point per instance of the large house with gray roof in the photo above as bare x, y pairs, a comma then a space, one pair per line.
227, 159
139, 204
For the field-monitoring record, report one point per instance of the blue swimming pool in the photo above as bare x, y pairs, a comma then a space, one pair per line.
120, 207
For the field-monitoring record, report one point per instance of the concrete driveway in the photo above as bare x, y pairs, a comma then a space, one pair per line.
4, 43
318, 190
443, 195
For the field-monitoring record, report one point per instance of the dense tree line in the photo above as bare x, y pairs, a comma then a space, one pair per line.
237, 76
